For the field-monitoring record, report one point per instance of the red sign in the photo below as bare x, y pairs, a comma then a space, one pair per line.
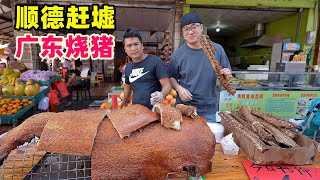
281, 172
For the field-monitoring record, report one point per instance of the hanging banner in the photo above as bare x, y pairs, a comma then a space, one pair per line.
283, 104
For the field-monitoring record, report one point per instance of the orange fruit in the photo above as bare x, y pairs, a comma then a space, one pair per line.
173, 93
4, 113
108, 106
165, 101
169, 97
19, 107
121, 95
2, 110
103, 106
169, 101
5, 106
29, 102
10, 108
173, 101
26, 104
9, 113
17, 101
14, 111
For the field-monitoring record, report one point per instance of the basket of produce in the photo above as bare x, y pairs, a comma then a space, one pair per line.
13, 108
43, 78
24, 90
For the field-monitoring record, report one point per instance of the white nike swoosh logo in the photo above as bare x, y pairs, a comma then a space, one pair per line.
132, 79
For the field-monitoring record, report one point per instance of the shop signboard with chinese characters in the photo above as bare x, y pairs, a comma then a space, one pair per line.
95, 18
283, 104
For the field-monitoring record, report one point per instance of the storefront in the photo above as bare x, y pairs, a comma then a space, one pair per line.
236, 21
259, 37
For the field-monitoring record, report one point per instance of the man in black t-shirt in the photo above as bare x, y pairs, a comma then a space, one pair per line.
145, 75
79, 79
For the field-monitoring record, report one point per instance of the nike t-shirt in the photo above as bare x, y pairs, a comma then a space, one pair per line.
144, 78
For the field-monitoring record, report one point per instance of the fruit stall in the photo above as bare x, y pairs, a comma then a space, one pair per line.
21, 92
170, 99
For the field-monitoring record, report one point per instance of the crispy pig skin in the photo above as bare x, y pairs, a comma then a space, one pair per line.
154, 152
131, 118
190, 111
275, 121
33, 126
170, 116
71, 132
209, 50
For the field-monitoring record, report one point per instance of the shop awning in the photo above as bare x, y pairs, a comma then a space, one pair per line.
6, 25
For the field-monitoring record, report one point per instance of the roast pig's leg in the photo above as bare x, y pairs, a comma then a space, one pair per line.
33, 126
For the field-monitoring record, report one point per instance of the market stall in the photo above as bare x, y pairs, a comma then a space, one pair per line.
37, 163
22, 92
32, 102
283, 94
224, 167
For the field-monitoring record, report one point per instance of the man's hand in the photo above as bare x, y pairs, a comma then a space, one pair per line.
184, 94
227, 73
156, 97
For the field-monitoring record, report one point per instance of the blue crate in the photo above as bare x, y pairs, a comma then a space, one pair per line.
13, 119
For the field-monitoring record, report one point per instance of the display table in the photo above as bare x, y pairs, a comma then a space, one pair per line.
223, 166
230, 167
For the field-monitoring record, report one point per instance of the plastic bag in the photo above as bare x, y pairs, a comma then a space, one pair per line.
229, 146
53, 98
44, 104
63, 89
54, 85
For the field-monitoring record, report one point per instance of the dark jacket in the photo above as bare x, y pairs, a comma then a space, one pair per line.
44, 66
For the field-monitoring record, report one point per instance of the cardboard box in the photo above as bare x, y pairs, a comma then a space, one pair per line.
274, 155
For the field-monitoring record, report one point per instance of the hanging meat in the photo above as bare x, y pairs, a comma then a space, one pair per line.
209, 50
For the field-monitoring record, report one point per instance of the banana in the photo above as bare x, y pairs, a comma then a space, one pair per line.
3, 82
11, 82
